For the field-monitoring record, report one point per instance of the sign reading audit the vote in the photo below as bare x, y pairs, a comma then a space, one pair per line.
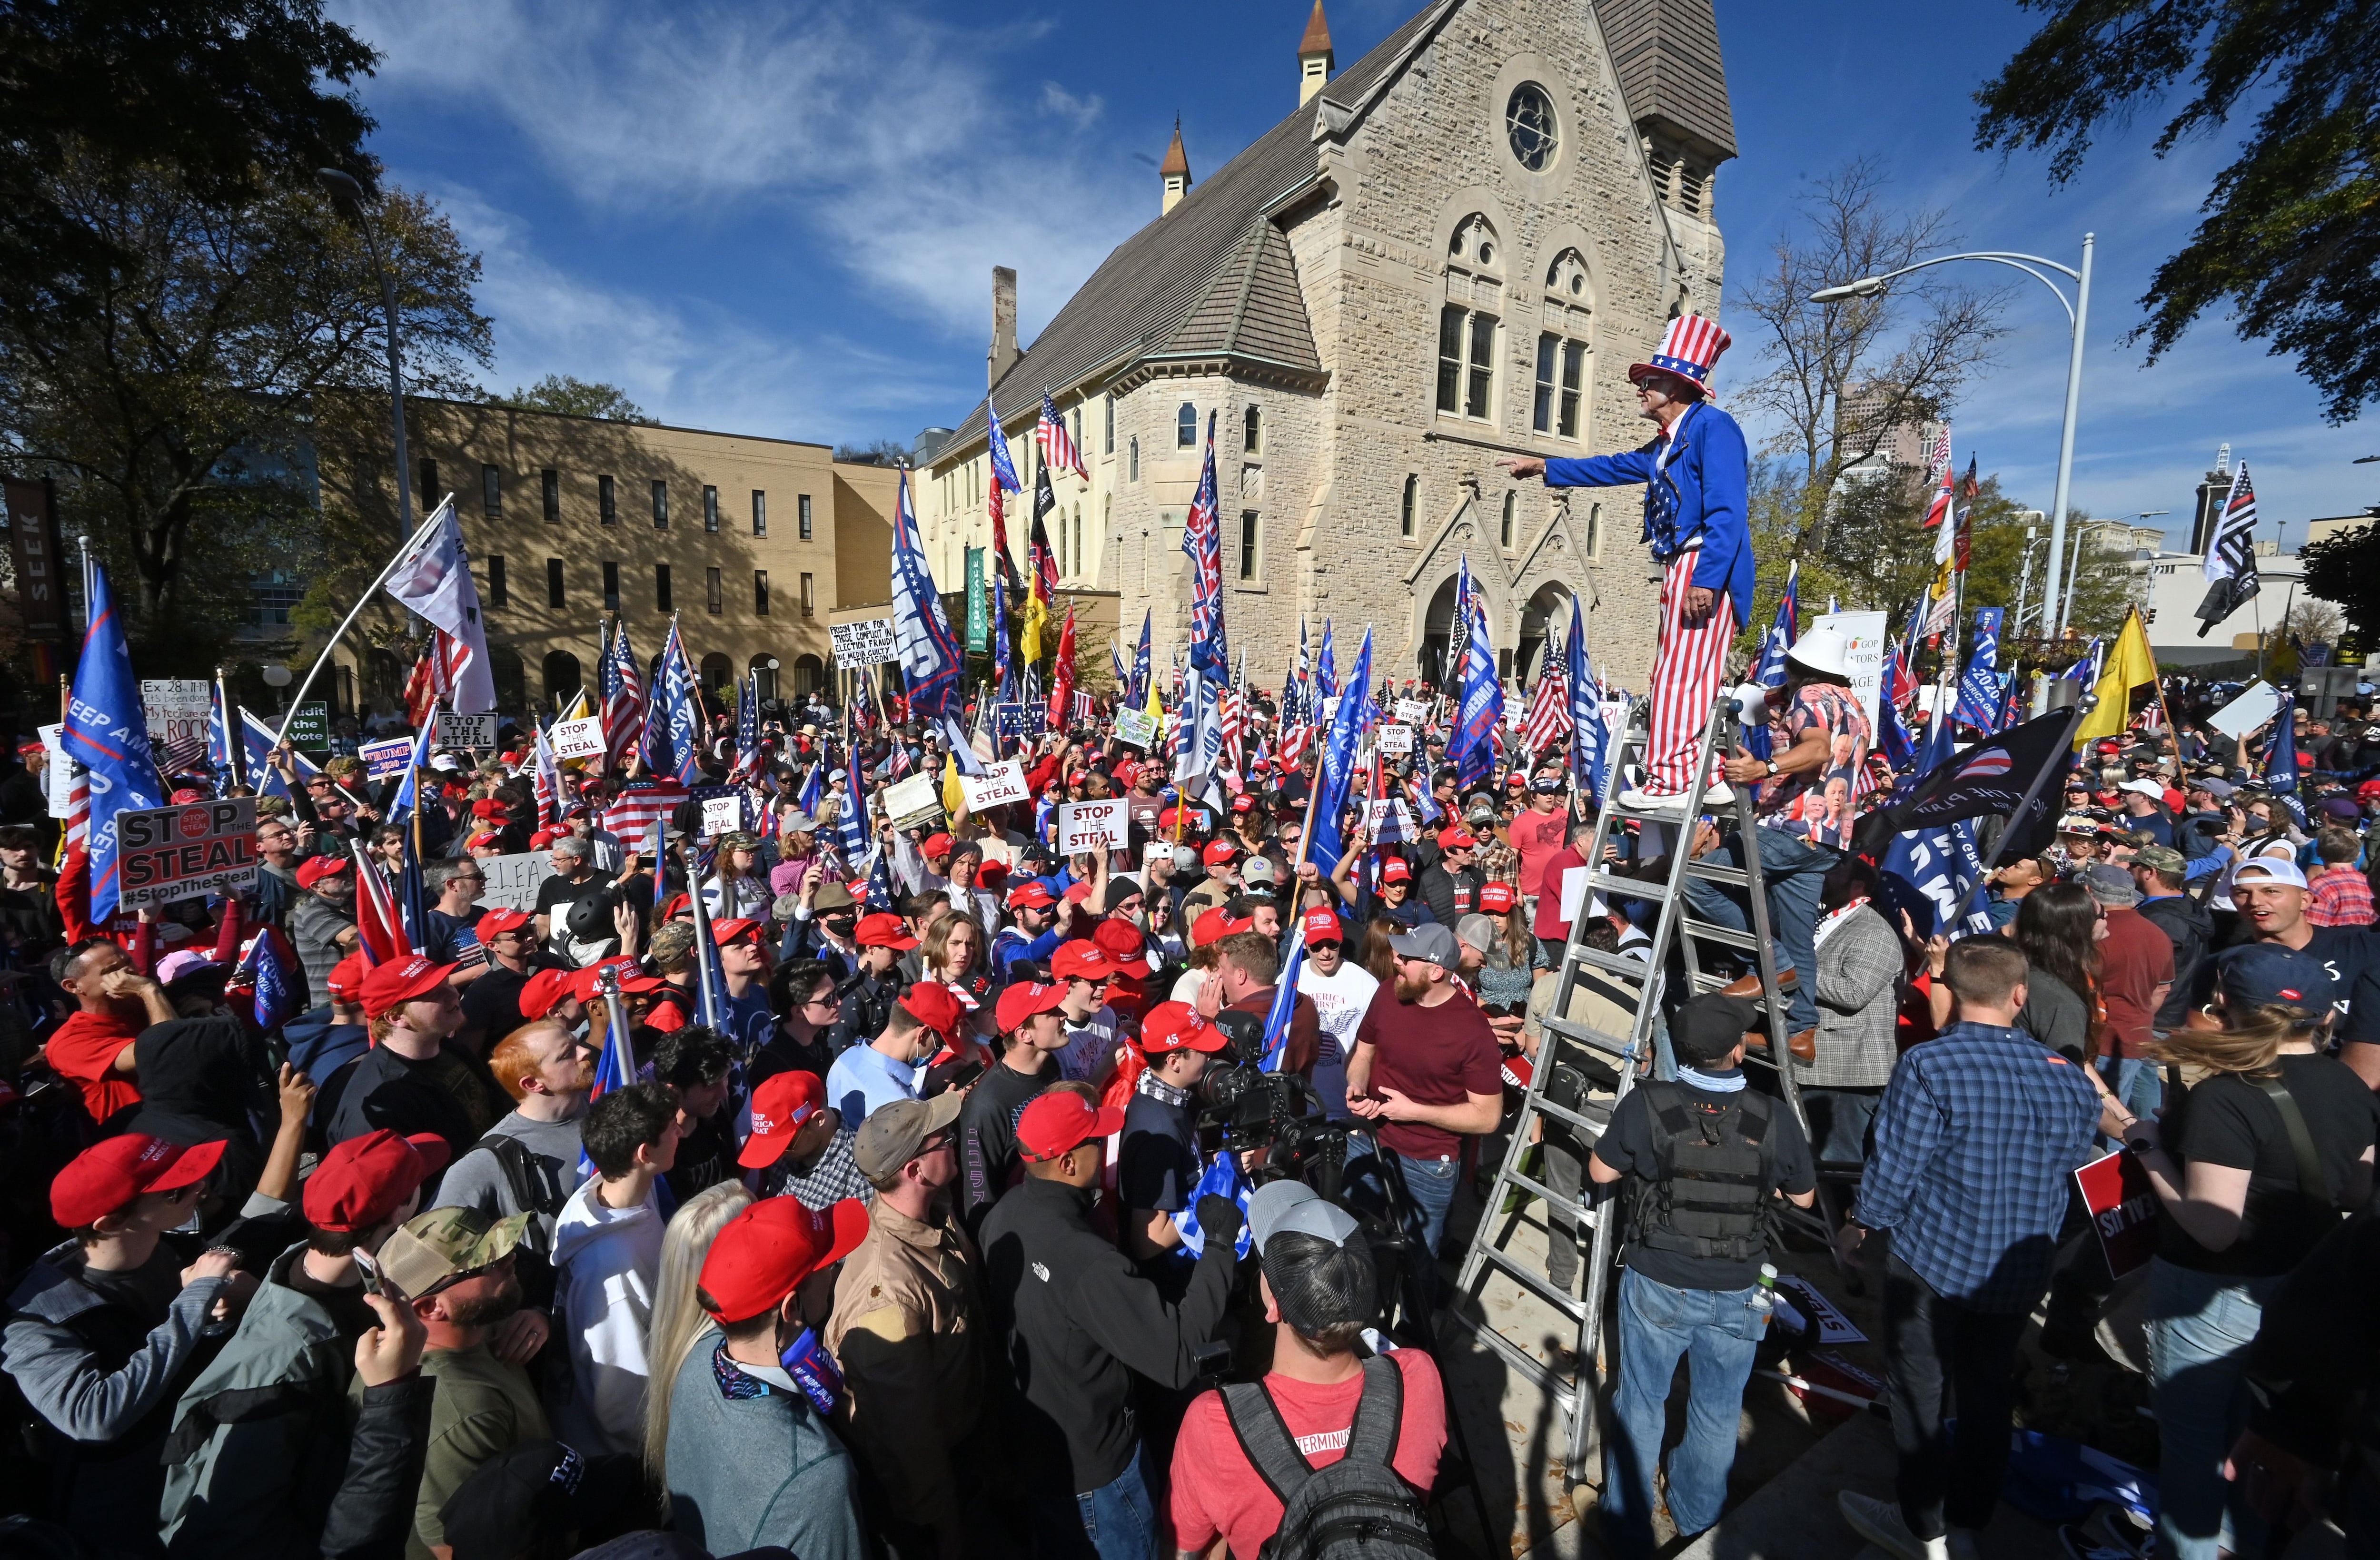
168, 853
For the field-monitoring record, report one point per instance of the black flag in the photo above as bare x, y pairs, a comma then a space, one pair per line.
1991, 778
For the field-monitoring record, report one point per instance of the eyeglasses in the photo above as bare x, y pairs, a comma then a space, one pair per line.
832, 999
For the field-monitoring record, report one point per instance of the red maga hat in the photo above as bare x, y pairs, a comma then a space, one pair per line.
763, 1253
1060, 1120
1023, 1000
546, 990
931, 1004
109, 1175
1081, 960
361, 1182
392, 985
782, 1104
1177, 1026
883, 930
1496, 899
313, 869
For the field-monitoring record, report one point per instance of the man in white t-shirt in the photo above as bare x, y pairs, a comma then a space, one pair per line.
1342, 992
1093, 1029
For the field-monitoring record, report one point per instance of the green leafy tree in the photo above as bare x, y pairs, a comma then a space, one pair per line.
2289, 243
2343, 568
175, 405
578, 398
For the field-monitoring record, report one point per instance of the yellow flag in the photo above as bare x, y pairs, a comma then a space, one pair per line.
1028, 638
2130, 664
954, 794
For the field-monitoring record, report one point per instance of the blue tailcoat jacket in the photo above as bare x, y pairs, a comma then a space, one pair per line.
1697, 503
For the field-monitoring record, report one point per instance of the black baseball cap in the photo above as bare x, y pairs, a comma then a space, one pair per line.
1710, 1026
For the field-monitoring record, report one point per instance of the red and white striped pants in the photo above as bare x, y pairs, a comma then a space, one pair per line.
1686, 670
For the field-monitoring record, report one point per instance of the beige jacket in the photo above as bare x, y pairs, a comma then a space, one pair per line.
907, 1329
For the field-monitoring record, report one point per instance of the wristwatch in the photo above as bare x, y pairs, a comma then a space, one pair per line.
1772, 767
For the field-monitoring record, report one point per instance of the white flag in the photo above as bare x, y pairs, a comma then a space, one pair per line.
434, 580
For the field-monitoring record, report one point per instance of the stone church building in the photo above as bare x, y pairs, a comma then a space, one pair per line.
1448, 253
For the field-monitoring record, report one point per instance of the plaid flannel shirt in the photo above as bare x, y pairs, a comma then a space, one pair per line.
1979, 1132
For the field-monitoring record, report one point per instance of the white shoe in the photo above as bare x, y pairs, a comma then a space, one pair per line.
1650, 801
1718, 795
1880, 1523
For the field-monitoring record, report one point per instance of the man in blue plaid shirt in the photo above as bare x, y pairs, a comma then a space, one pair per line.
1979, 1132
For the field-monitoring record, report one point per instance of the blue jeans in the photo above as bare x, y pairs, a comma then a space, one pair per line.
1792, 869
1429, 1191
1116, 1522
1716, 1330
2137, 1081
2200, 1327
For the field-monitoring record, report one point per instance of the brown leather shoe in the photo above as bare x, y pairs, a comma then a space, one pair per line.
1803, 1046
1750, 985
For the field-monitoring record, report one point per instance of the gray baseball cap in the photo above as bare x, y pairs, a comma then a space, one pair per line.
1292, 1205
1323, 1279
2111, 885
1430, 942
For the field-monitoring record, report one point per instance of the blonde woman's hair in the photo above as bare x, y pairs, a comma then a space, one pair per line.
678, 1319
937, 945
2249, 1043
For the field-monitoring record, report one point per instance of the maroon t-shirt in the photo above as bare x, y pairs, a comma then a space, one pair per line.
2135, 957
1434, 1056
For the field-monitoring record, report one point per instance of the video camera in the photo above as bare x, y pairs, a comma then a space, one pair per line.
1275, 1116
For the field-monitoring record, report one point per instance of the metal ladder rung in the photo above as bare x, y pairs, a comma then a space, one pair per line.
1734, 876
1538, 1284
1638, 970
1584, 1123
1583, 1212
1711, 931
1601, 1041
1621, 887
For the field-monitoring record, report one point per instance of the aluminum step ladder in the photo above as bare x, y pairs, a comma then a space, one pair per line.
1631, 980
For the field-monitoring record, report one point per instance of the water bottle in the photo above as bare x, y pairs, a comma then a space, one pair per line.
1763, 1303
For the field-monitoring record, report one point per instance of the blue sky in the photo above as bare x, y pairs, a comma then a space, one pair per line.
780, 218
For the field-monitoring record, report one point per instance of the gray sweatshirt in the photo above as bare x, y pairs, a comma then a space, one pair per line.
479, 1179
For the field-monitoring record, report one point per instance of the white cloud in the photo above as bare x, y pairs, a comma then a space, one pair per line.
887, 143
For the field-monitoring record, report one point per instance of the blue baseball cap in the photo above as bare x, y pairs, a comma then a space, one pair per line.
2269, 975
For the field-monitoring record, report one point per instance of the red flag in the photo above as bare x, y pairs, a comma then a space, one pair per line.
378, 925
1062, 676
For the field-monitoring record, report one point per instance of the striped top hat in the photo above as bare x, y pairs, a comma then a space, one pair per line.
1690, 349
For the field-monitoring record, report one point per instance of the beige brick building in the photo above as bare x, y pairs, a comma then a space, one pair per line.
1448, 253
751, 541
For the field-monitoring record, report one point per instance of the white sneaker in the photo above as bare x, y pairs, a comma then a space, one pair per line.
1650, 801
1880, 1523
1718, 795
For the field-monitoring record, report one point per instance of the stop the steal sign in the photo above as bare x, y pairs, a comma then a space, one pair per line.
168, 853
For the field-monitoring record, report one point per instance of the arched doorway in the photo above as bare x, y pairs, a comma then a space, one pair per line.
1546, 616
511, 678
1430, 662
809, 676
716, 671
563, 677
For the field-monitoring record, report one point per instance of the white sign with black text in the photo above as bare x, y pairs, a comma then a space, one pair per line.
866, 643
1396, 741
582, 738
466, 730
1093, 826
998, 785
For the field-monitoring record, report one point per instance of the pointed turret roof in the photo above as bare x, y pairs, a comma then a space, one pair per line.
1317, 34
1176, 160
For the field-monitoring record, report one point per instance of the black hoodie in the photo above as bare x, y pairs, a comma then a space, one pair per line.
2190, 928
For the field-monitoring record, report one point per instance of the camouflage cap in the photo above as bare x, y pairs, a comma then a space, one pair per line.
672, 942
2163, 860
445, 1243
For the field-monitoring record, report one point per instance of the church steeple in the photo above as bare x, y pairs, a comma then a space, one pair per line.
1175, 169
1313, 57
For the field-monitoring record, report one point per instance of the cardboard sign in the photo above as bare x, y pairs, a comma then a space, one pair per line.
1834, 1327
912, 801
722, 815
867, 643
998, 785
1136, 728
168, 853
582, 738
382, 759
310, 726
58, 771
1388, 823
178, 710
2123, 1209
2256, 705
1092, 826
1413, 712
513, 881
466, 730
1864, 659
1396, 741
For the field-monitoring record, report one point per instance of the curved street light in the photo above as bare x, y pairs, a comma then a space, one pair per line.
2078, 311
345, 191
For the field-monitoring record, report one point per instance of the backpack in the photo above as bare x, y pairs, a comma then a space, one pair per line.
1358, 1508
529, 1189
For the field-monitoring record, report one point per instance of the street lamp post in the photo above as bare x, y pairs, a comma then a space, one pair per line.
2077, 313
345, 190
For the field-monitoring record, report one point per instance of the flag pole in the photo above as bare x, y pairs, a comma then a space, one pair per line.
233, 741
2084, 705
331, 647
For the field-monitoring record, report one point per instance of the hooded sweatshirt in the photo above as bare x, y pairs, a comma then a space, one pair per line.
605, 1261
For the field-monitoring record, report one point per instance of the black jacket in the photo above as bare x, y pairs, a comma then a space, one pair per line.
1451, 895
2318, 1351
1075, 1314
2190, 928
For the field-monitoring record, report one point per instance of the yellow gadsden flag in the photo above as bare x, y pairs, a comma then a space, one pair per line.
2132, 664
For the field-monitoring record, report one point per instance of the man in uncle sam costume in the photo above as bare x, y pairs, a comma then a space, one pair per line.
1695, 472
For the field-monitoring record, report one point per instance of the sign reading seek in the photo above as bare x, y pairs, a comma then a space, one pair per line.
168, 853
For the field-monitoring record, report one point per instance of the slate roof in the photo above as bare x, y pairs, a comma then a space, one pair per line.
1214, 275
1667, 55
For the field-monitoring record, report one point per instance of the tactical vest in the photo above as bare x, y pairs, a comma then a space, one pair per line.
1711, 1199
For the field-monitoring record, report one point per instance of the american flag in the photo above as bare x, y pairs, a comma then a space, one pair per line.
1082, 709
1057, 445
421, 687
1549, 716
624, 696
378, 925
642, 803
1202, 539
1937, 475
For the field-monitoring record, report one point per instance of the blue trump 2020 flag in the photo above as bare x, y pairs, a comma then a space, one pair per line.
1347, 729
930, 661
1472, 747
1223, 1179
107, 732
268, 981
1979, 685
1326, 676
1590, 743
2280, 768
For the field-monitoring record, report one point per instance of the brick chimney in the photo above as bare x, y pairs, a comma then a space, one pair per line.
1175, 170
1004, 325
1313, 57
